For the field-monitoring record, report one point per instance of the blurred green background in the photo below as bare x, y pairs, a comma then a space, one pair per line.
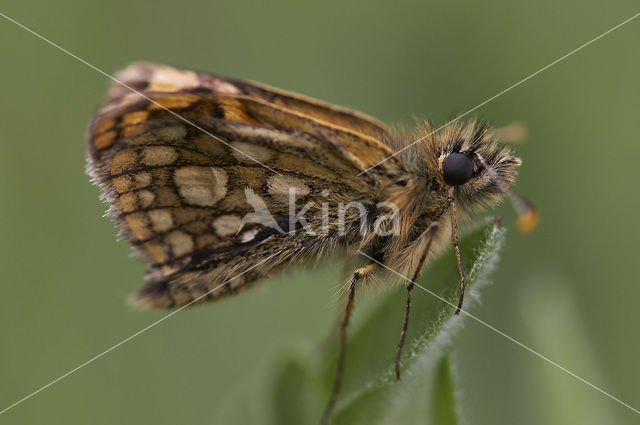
569, 290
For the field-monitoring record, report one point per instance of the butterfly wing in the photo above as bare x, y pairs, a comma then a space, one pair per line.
154, 77
198, 173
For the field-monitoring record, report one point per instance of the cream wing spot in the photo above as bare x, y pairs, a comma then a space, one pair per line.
174, 132
248, 235
224, 87
226, 225
159, 155
161, 220
146, 198
180, 242
279, 186
202, 186
167, 78
243, 152
142, 180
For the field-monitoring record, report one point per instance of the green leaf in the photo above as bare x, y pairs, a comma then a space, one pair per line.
371, 393
443, 400
294, 383
293, 393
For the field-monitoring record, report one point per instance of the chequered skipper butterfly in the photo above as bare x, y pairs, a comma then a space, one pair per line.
200, 173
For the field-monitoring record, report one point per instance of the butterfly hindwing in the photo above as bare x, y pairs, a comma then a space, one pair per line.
183, 170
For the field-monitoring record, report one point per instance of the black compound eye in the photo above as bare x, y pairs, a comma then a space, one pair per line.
457, 169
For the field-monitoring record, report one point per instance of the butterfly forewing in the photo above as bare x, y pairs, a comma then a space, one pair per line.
154, 77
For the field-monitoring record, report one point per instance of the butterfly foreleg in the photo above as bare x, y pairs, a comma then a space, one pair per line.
456, 249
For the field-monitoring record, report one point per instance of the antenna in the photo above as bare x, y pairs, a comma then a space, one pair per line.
528, 215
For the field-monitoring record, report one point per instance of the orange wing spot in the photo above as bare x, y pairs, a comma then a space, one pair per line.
175, 101
103, 126
132, 130
235, 111
133, 118
167, 270
123, 160
165, 197
157, 251
194, 157
196, 227
104, 140
139, 225
186, 215
122, 184
129, 202
162, 86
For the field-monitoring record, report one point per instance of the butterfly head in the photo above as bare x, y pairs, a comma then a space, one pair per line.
478, 170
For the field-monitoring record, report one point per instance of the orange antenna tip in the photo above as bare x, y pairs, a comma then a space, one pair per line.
528, 216
528, 221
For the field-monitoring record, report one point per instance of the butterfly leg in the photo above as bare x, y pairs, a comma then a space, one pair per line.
428, 235
358, 275
456, 248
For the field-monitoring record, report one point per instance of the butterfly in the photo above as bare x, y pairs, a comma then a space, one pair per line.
219, 183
